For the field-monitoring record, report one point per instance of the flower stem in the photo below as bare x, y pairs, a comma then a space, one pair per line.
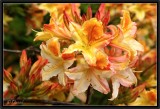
88, 95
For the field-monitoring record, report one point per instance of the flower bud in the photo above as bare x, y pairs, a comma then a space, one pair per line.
14, 88
7, 76
23, 58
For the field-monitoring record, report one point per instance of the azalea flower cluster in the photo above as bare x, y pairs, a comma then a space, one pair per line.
87, 51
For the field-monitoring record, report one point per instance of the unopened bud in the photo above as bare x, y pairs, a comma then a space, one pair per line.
14, 88
43, 91
23, 58
7, 76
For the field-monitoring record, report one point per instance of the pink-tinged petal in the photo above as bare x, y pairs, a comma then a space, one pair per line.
133, 62
62, 78
81, 96
75, 75
51, 70
119, 66
82, 84
129, 75
99, 83
107, 74
116, 85
43, 36
54, 46
123, 80
118, 58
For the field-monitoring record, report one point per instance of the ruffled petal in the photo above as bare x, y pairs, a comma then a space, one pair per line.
51, 70
99, 83
101, 60
93, 29
129, 75
82, 84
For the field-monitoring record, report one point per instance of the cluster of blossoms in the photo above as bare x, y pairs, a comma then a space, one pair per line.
86, 51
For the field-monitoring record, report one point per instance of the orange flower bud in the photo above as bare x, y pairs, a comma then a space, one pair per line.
7, 76
23, 58
14, 88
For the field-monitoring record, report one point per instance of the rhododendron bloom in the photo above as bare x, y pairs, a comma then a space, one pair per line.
89, 39
83, 76
88, 51
124, 36
57, 65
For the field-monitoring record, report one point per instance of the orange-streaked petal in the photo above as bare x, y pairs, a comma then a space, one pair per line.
43, 36
54, 46
126, 20
93, 29
101, 60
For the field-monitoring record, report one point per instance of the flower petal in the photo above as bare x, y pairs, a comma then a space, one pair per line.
82, 84
93, 29
47, 54
54, 46
62, 78
43, 36
116, 86
75, 75
99, 83
51, 70
129, 75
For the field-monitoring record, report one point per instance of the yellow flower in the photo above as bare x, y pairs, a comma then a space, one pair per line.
83, 76
124, 36
89, 39
141, 10
57, 65
147, 98
124, 77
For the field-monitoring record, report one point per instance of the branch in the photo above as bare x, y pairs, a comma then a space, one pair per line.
30, 48
149, 67
14, 51
21, 101
88, 95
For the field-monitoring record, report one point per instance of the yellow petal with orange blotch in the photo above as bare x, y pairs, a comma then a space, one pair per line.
43, 36
93, 29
